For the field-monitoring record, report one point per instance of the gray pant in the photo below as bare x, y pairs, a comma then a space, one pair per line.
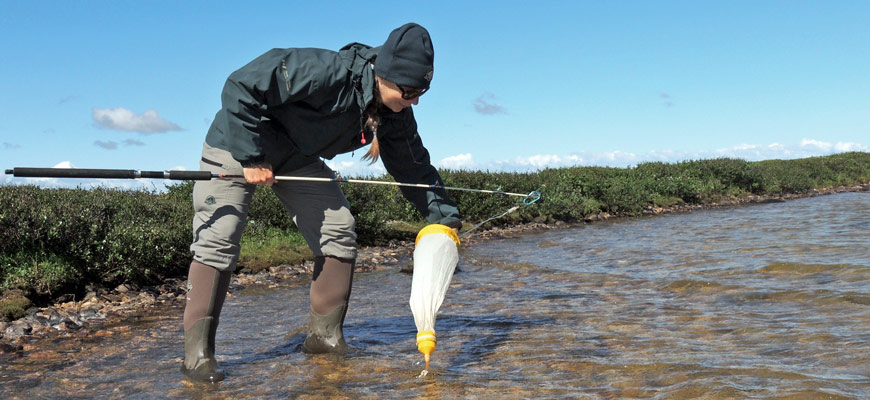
319, 210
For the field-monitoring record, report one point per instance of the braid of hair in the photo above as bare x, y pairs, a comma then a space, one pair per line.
373, 119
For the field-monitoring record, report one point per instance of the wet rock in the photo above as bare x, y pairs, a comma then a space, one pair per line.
29, 346
64, 325
17, 330
69, 297
602, 216
89, 315
37, 319
55, 318
654, 210
75, 319
90, 297
10, 348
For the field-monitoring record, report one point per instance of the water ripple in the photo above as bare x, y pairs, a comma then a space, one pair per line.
757, 302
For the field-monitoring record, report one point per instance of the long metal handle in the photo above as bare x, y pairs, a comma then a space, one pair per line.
416, 185
206, 175
530, 197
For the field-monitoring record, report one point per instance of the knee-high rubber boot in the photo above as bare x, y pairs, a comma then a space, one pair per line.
330, 292
199, 361
325, 332
206, 291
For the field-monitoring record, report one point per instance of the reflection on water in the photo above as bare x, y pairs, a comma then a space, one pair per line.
766, 301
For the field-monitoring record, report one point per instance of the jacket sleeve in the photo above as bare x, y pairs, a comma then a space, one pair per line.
248, 95
407, 161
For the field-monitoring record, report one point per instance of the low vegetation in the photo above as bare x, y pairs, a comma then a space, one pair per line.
59, 241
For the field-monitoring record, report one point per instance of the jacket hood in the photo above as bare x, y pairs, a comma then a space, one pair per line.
358, 59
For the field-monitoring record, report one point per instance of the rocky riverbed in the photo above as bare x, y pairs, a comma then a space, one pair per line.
105, 312
102, 311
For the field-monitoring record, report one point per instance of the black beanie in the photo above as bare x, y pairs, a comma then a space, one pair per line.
407, 57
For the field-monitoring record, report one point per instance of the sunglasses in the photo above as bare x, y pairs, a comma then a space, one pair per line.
411, 93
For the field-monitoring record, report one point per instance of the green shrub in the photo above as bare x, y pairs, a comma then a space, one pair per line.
271, 246
59, 240
103, 236
13, 305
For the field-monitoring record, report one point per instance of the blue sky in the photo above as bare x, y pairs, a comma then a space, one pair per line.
518, 85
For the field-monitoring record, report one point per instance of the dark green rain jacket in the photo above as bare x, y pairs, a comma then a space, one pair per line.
292, 106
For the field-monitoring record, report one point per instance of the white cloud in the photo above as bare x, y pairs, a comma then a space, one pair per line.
839, 147
815, 144
457, 162
750, 152
122, 119
544, 161
64, 164
802, 149
109, 145
351, 168
483, 106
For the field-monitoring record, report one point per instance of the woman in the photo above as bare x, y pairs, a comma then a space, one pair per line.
281, 114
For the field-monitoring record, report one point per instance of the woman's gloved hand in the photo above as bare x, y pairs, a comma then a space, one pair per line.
455, 225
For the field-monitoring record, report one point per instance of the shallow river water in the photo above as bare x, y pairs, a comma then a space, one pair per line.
764, 301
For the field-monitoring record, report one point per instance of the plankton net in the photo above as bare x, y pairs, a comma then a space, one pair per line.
436, 254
